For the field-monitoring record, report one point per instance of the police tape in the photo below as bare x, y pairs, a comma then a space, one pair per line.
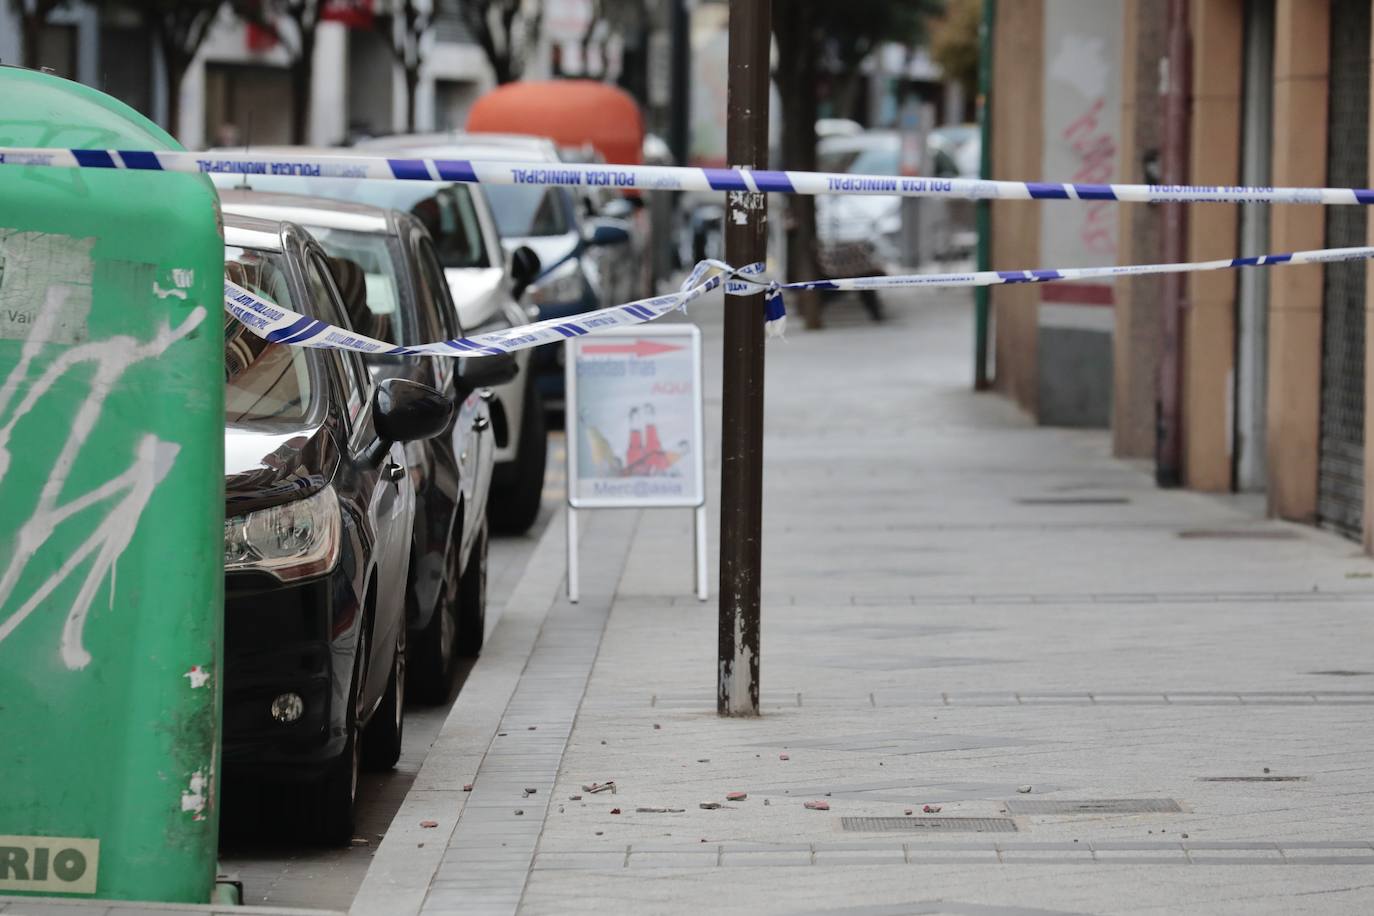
279, 325
272, 322
656, 177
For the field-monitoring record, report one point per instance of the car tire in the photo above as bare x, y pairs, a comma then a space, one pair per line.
336, 794
512, 507
383, 734
430, 662
472, 599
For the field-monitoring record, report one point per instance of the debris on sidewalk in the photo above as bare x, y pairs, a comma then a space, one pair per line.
615, 810
783, 757
736, 796
647, 810
574, 798
429, 823
519, 811
360, 841
528, 792
657, 726
907, 811
929, 809
467, 787
817, 805
594, 788
703, 760
1023, 789
709, 806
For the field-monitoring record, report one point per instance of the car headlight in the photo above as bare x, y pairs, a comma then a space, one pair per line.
292, 541
559, 286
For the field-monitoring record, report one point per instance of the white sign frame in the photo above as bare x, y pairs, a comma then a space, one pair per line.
677, 332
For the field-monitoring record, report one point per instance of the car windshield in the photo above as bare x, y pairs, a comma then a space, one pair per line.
446, 210
523, 211
882, 158
366, 272
263, 382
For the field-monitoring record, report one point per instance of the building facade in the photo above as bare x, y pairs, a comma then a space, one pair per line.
1270, 363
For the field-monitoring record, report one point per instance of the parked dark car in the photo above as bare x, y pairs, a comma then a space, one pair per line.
318, 518
394, 290
487, 286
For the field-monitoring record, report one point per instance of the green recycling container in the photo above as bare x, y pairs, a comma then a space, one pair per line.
111, 508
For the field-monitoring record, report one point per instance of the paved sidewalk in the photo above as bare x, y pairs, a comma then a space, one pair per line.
961, 611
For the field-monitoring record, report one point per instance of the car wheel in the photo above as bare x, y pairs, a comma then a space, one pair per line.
430, 665
472, 598
382, 737
513, 507
337, 793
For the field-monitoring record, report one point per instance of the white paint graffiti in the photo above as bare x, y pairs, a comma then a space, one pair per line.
130, 490
193, 799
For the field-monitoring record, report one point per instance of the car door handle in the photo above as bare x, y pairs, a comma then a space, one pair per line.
481, 423
393, 472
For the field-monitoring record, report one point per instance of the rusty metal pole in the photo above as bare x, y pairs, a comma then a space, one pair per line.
741, 485
1174, 163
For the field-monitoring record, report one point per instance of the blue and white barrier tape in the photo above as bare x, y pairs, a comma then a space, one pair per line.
279, 325
271, 321
653, 177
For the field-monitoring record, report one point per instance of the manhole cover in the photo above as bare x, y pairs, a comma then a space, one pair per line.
1260, 534
930, 824
1252, 779
1073, 501
1093, 806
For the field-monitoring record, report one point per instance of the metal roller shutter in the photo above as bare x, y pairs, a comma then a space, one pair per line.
1340, 499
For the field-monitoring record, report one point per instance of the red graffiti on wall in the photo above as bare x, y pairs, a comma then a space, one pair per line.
1096, 152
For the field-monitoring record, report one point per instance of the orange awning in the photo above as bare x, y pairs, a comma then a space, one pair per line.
569, 112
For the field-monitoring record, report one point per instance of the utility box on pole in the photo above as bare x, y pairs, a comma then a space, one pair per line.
111, 506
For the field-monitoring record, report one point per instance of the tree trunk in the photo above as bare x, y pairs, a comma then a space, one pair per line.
797, 86
302, 73
33, 31
412, 87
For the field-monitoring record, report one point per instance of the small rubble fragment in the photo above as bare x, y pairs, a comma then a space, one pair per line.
783, 757
907, 811
817, 805
1024, 790
615, 810
574, 798
930, 809
519, 811
467, 787
652, 810
709, 806
703, 760
429, 823
736, 796
657, 726
594, 788
360, 841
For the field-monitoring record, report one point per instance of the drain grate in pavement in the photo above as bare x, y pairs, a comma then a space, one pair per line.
1226, 534
1073, 501
929, 824
1252, 779
1093, 806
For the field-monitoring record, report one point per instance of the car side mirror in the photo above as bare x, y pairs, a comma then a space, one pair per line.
485, 372
606, 232
405, 411
524, 269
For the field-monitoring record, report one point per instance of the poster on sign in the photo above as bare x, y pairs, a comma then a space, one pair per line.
634, 418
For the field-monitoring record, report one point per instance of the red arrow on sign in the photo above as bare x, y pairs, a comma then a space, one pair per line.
638, 348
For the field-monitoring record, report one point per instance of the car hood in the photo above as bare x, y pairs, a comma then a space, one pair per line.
552, 249
477, 294
265, 465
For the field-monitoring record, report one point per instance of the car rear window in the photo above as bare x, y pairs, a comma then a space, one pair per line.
263, 381
523, 211
446, 210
